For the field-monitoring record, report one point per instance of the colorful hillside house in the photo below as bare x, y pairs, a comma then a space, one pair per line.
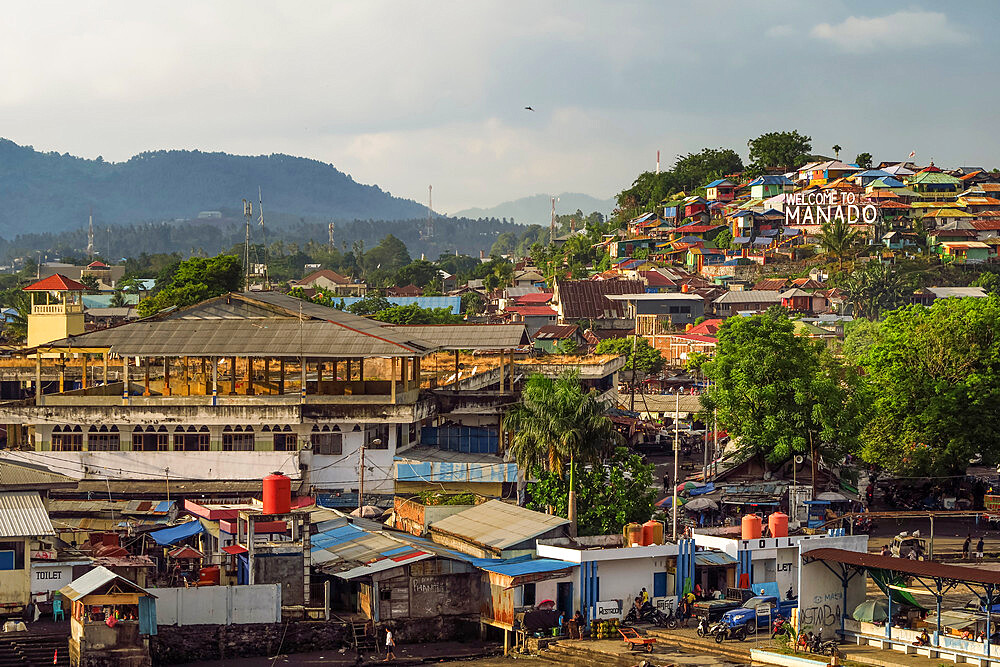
764, 187
721, 189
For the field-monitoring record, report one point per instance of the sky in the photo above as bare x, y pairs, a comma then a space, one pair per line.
406, 94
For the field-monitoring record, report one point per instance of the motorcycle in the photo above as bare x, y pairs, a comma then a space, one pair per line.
724, 631
647, 613
777, 627
704, 627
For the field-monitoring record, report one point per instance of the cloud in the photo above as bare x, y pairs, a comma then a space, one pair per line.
910, 28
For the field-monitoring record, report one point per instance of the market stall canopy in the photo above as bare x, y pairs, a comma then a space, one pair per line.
175, 534
701, 505
871, 611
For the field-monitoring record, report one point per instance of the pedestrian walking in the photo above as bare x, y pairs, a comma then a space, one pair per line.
644, 595
979, 548
967, 547
390, 646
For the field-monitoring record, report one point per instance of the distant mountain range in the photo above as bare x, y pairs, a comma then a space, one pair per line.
537, 209
52, 192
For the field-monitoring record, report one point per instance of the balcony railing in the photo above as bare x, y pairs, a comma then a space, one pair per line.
56, 309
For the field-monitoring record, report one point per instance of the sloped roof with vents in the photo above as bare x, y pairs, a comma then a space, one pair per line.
497, 525
585, 299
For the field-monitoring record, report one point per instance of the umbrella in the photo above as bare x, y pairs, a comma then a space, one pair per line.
547, 604
367, 512
701, 505
687, 486
832, 496
666, 502
871, 611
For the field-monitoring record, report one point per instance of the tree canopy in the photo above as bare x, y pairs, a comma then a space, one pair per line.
782, 150
194, 280
647, 358
932, 375
778, 393
610, 495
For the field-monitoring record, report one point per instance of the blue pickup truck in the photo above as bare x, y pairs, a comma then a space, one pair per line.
756, 613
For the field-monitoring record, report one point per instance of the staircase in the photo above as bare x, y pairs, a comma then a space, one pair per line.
362, 641
563, 653
28, 649
689, 642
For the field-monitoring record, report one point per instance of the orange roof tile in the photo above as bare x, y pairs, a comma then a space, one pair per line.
56, 283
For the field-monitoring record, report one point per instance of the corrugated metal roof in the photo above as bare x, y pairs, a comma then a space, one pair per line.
497, 524
94, 580
749, 296
452, 303
279, 337
924, 568
516, 567
704, 558
14, 474
22, 514
585, 299
466, 336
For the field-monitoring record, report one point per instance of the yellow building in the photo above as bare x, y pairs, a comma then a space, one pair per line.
56, 309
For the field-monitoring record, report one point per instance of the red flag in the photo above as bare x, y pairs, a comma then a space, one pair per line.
913, 153
55, 657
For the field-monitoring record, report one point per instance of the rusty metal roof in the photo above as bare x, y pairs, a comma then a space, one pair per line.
96, 579
22, 514
15, 475
466, 336
497, 524
585, 299
925, 568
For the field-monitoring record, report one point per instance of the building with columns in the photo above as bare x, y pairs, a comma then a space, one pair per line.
242, 385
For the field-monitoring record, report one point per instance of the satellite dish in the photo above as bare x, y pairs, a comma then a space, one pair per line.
799, 459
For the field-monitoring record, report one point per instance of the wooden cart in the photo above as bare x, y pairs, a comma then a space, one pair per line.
635, 641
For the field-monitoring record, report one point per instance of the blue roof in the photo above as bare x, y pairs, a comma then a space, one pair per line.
175, 534
740, 239
452, 302
704, 558
890, 182
104, 300
642, 218
874, 173
743, 214
771, 180
719, 181
514, 567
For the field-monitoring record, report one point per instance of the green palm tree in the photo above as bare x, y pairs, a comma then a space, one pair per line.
16, 327
838, 239
876, 290
836, 151
556, 422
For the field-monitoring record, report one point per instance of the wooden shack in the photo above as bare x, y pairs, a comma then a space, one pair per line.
112, 619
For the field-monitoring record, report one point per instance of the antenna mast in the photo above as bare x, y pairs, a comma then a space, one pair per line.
263, 240
90, 236
429, 231
330, 228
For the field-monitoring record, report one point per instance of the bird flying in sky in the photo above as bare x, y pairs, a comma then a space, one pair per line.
528, 109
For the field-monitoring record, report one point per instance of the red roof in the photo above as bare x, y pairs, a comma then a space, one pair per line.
695, 228
892, 204
988, 214
533, 298
708, 327
556, 331
533, 311
696, 338
771, 284
98, 265
234, 549
185, 553
656, 279
332, 276
56, 283
986, 225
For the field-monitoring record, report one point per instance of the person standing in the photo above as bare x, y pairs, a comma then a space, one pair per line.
644, 595
967, 547
979, 548
390, 646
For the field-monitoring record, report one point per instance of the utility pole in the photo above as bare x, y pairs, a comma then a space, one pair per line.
90, 236
552, 223
330, 228
361, 483
677, 451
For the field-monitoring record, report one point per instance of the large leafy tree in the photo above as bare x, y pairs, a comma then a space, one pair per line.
838, 239
647, 359
784, 150
612, 494
195, 280
876, 289
559, 422
780, 394
933, 378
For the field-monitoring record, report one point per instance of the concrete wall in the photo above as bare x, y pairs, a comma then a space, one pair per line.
15, 585
284, 569
218, 605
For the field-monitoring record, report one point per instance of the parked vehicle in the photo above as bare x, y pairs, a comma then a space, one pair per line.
905, 543
647, 613
755, 613
704, 627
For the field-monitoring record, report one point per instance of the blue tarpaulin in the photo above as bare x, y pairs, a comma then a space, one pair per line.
704, 488
175, 534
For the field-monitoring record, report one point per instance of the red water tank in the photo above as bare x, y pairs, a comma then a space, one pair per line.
277, 496
751, 527
652, 533
777, 523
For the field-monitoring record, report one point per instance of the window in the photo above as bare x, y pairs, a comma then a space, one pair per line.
12, 555
379, 432
67, 442
285, 442
528, 597
327, 444
237, 442
192, 442
150, 442
103, 442
385, 594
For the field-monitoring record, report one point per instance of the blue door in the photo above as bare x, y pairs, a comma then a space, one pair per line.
147, 615
659, 584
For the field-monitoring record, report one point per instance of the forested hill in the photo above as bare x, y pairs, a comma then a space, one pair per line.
52, 192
